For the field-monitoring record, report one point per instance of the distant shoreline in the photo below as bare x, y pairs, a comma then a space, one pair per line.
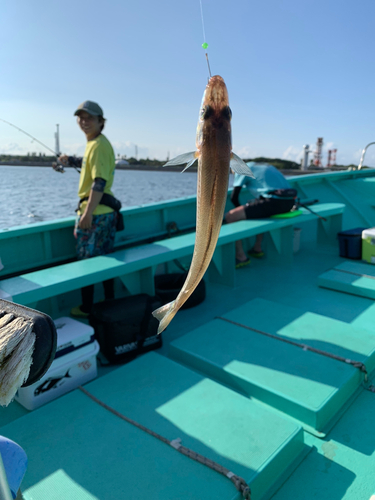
156, 168
47, 164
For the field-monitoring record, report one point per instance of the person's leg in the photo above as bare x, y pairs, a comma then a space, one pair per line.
258, 243
107, 241
233, 216
240, 253
83, 249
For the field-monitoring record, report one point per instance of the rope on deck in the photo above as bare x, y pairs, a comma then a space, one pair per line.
238, 481
357, 364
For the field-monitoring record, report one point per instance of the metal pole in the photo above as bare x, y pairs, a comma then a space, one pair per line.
363, 155
57, 140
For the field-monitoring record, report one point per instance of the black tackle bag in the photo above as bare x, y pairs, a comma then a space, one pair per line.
125, 327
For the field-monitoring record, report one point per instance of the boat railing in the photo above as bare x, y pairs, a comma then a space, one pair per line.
363, 155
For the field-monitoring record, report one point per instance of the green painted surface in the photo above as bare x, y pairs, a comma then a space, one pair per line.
354, 266
32, 287
303, 384
75, 447
317, 331
355, 189
342, 466
352, 277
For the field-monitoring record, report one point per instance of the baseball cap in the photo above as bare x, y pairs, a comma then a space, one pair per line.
92, 108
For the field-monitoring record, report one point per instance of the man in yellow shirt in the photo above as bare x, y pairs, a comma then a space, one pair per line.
95, 226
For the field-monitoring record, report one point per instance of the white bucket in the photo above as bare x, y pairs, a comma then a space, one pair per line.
296, 239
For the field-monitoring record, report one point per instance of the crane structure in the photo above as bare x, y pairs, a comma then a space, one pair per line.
331, 157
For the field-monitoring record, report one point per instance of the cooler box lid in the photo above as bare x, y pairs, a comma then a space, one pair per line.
368, 233
72, 335
352, 232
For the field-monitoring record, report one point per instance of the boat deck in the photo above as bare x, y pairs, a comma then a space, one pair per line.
293, 423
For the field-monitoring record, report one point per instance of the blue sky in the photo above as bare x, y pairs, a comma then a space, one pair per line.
295, 71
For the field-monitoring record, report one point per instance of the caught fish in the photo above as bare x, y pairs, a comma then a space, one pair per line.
215, 157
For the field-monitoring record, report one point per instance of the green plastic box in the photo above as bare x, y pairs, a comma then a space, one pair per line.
368, 245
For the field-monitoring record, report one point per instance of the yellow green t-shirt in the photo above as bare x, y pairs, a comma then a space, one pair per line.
98, 161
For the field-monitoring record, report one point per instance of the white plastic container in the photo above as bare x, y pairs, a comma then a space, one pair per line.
368, 245
296, 239
74, 364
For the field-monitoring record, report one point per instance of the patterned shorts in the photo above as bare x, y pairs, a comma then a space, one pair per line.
99, 239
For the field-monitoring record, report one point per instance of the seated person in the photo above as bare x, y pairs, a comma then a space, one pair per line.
264, 203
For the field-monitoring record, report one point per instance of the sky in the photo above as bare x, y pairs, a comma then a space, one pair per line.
295, 71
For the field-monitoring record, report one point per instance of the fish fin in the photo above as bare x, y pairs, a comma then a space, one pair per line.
164, 315
239, 166
190, 164
181, 159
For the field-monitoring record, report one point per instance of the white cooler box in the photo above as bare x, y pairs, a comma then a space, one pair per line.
74, 364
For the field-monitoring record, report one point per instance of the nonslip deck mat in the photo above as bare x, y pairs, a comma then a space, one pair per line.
79, 450
307, 386
356, 278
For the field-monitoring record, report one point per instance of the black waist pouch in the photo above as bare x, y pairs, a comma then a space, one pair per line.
110, 201
125, 327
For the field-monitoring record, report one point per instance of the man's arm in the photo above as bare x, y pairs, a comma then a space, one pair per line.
95, 197
235, 196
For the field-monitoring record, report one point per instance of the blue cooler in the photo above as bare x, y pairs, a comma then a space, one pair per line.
350, 243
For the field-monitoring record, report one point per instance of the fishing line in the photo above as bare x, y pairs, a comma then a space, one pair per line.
205, 44
20, 129
60, 166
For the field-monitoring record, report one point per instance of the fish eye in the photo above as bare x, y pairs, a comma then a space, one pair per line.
206, 112
227, 113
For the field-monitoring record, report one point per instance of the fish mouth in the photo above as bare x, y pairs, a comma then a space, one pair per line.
216, 93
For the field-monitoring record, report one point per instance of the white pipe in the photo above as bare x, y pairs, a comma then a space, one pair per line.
363, 155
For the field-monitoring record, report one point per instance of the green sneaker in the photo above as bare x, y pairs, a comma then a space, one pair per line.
242, 263
257, 255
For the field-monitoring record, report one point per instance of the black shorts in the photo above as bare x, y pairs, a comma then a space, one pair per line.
262, 208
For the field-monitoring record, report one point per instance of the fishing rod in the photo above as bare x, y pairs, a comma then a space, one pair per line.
58, 166
305, 205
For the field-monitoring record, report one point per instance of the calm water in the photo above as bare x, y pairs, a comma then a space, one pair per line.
34, 194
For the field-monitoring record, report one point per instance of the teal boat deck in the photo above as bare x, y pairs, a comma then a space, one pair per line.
80, 450
97, 448
293, 423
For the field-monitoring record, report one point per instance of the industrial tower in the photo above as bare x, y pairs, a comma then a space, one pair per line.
318, 153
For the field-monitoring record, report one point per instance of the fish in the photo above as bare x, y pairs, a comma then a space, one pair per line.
215, 159
50, 383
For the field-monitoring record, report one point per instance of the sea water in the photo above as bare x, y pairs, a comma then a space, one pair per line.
35, 194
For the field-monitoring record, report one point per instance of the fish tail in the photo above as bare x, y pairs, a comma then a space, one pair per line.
164, 315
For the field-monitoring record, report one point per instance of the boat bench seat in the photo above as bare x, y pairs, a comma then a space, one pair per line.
353, 277
310, 387
136, 266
